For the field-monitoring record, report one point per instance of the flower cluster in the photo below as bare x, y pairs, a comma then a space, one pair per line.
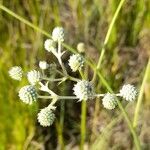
46, 117
83, 89
16, 73
28, 94
76, 62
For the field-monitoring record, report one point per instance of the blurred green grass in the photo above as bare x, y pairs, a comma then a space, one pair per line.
83, 20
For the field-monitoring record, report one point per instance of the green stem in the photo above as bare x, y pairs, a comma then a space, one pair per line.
83, 124
108, 36
81, 73
59, 97
73, 78
52, 79
60, 60
140, 97
83, 117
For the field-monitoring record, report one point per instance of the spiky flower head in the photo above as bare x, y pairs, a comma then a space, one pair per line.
43, 65
16, 73
50, 45
83, 90
109, 101
128, 92
28, 94
58, 34
81, 47
33, 77
76, 62
46, 117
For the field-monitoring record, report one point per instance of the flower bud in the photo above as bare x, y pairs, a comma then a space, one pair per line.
43, 65
58, 34
81, 47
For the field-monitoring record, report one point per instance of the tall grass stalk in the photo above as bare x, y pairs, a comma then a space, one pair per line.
136, 141
108, 36
140, 97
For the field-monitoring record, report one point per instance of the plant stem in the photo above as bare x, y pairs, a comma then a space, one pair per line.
73, 78
83, 124
59, 97
52, 79
60, 60
83, 117
107, 37
139, 101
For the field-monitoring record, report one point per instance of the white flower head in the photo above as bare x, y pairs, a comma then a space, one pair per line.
81, 47
28, 94
128, 92
76, 62
33, 77
50, 45
109, 101
16, 73
58, 34
83, 90
46, 117
43, 65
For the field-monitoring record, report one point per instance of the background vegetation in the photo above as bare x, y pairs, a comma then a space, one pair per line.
85, 21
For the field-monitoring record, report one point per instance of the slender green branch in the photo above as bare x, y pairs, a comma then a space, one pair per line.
52, 79
60, 59
139, 101
58, 97
81, 73
107, 37
83, 117
83, 124
73, 78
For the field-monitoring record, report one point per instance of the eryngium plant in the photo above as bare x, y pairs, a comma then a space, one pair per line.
83, 89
